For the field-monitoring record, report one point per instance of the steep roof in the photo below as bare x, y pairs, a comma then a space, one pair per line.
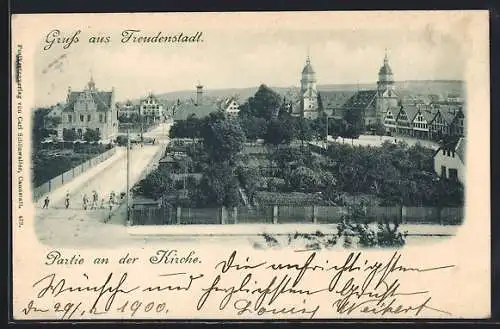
102, 99
335, 98
428, 114
460, 149
185, 109
411, 112
360, 100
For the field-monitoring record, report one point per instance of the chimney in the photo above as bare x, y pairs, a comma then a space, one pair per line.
69, 92
199, 94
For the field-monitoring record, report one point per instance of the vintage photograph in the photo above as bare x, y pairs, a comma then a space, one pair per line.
324, 137
308, 165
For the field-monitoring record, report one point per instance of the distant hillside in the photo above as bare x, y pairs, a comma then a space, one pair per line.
410, 87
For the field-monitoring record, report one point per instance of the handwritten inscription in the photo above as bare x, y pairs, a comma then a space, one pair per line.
238, 285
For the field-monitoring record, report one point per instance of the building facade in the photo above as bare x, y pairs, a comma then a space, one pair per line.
230, 106
449, 162
127, 109
151, 106
90, 109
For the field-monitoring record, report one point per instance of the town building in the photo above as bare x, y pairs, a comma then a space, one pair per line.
372, 105
201, 106
449, 161
230, 106
127, 109
90, 109
151, 106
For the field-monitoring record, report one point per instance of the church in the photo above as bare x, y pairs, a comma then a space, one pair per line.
308, 92
371, 105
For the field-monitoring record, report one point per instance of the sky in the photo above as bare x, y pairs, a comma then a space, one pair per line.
228, 58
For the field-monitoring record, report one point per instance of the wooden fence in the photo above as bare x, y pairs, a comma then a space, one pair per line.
292, 215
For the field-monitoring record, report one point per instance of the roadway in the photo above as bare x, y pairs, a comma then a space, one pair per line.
69, 226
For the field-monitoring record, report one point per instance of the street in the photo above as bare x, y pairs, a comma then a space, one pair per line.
57, 225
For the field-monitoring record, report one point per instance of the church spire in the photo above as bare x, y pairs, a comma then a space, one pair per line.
91, 83
386, 58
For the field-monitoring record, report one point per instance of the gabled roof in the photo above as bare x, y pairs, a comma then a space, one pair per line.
185, 109
460, 149
459, 146
361, 99
411, 111
428, 114
394, 110
102, 99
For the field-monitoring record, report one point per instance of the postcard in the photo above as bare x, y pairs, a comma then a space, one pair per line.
250, 165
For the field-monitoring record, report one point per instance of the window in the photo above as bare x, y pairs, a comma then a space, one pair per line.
81, 118
100, 118
444, 152
70, 119
453, 174
89, 117
443, 171
98, 132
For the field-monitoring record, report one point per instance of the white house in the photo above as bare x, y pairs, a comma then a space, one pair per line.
151, 106
231, 107
90, 109
449, 162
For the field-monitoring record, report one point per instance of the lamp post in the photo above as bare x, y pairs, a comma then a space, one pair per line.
128, 174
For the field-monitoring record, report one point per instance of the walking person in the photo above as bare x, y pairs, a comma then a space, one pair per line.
46, 203
85, 201
102, 203
66, 200
95, 199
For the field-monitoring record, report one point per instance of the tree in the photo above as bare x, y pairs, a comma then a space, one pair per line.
219, 185
223, 139
354, 118
279, 132
155, 185
303, 129
254, 127
69, 135
350, 131
91, 135
304, 179
252, 180
263, 104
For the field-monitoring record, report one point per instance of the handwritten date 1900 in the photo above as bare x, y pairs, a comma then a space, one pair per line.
73, 310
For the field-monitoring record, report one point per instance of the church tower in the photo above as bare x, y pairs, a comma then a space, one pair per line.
386, 91
308, 92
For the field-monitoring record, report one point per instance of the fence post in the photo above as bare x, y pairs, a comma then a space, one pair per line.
315, 214
178, 215
235, 215
440, 217
50, 187
275, 214
402, 218
223, 217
